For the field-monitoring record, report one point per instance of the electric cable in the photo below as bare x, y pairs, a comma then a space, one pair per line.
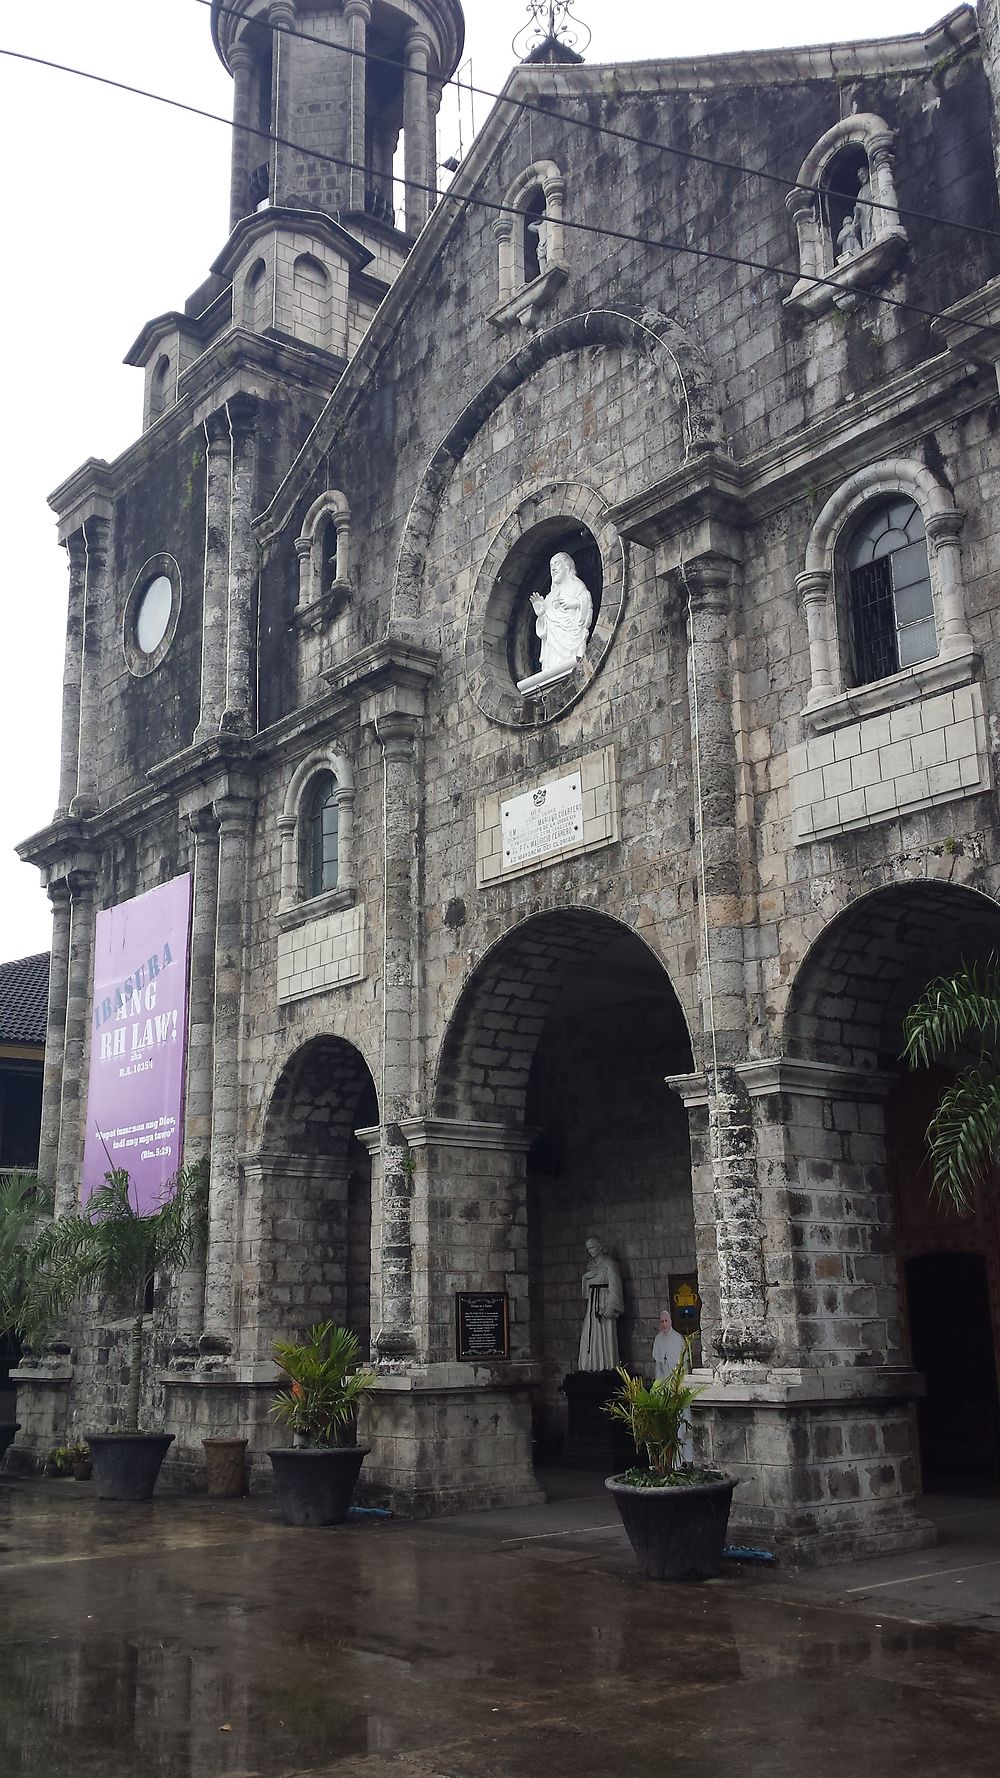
467, 201
689, 154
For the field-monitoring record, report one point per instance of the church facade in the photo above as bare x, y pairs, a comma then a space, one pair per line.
501, 944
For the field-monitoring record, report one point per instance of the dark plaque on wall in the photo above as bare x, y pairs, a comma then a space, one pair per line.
685, 1303
482, 1324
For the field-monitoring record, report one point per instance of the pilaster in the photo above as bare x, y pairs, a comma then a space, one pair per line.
95, 531
215, 611
416, 132
233, 814
73, 1094
55, 1033
243, 561
69, 762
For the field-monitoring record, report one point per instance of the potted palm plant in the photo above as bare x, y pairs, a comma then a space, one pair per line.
115, 1249
675, 1514
315, 1477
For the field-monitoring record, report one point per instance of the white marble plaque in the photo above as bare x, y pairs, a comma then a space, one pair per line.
542, 821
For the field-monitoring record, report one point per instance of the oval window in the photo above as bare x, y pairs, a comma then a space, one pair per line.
153, 614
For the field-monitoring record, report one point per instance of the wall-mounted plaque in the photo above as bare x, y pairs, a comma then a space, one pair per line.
482, 1324
548, 819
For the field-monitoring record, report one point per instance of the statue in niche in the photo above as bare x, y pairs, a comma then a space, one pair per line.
857, 231
602, 1290
563, 618
540, 230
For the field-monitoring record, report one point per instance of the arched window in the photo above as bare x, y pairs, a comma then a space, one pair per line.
891, 605
311, 301
256, 298
322, 823
160, 389
316, 829
324, 553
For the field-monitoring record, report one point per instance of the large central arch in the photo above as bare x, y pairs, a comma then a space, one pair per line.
565, 1031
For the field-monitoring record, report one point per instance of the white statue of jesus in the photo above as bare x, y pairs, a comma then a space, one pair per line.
563, 618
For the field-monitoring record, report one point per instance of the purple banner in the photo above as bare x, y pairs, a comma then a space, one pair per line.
138, 1042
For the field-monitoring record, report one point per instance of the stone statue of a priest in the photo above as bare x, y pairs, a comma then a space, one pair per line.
602, 1290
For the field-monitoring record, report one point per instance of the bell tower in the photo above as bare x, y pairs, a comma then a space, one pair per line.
339, 79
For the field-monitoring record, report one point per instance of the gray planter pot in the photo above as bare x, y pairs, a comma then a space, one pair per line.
315, 1484
127, 1464
675, 1533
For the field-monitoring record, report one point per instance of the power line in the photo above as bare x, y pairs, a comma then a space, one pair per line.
786, 182
480, 203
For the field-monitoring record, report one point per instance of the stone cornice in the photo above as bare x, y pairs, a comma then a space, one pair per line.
972, 327
392, 663
450, 1132
280, 219
789, 1074
715, 490
147, 340
87, 493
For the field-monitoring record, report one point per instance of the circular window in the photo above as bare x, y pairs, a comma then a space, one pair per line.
151, 612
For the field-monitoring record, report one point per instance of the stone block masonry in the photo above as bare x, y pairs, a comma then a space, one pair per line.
322, 954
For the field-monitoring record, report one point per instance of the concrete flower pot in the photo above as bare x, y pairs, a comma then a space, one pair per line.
315, 1483
675, 1533
126, 1464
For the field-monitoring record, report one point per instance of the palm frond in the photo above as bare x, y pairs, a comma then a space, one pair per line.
963, 1136
950, 1010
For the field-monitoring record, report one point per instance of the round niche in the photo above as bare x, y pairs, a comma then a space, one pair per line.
151, 613
503, 647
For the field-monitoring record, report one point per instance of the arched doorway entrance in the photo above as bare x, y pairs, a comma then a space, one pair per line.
566, 1032
309, 1198
927, 1277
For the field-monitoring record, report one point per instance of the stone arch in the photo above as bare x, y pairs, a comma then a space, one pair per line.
679, 358
854, 1119
511, 993
559, 1043
307, 1220
867, 966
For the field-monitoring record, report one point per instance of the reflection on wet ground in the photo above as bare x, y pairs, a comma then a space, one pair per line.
191, 1639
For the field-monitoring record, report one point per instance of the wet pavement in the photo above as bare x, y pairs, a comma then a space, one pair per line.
196, 1639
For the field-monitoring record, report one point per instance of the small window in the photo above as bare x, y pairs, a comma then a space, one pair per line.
891, 604
322, 824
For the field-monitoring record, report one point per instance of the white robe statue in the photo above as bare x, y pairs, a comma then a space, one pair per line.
602, 1290
563, 618
669, 1347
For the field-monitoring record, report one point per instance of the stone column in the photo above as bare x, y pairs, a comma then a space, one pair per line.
943, 531
434, 92
393, 1305
190, 1283
281, 17
813, 589
55, 1033
215, 613
73, 1095
243, 562
988, 14
69, 762
358, 14
416, 129
91, 704
742, 1332
233, 815
241, 66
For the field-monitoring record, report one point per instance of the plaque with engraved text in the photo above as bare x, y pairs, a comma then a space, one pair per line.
482, 1324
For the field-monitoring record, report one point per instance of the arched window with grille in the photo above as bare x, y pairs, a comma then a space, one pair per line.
322, 824
891, 605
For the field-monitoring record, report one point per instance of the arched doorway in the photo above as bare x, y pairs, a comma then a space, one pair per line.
309, 1196
566, 1032
923, 1279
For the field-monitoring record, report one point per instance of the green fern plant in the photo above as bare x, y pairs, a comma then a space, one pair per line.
35, 1287
655, 1413
326, 1386
963, 1135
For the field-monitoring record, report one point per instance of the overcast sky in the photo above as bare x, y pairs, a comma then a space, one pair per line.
116, 206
